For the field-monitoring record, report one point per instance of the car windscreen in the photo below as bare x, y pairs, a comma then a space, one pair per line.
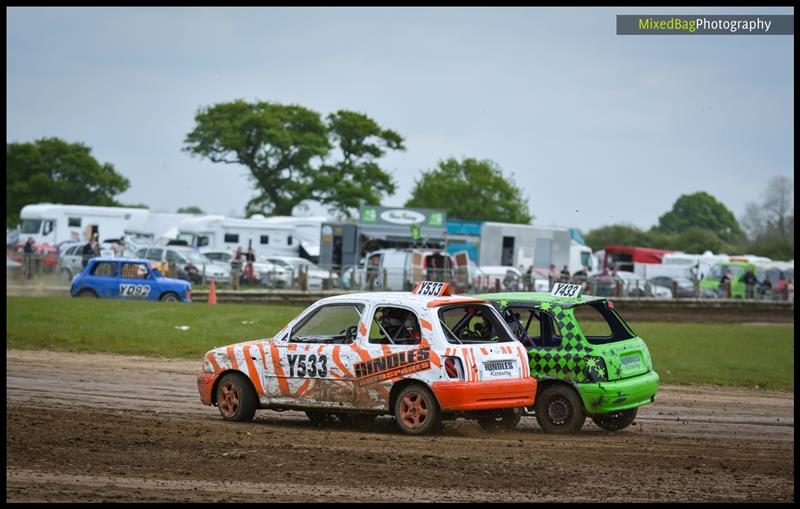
472, 324
31, 226
195, 257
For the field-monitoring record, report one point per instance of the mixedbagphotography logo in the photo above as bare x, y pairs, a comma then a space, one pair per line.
710, 24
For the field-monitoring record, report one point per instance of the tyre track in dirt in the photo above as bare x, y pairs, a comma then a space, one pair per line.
96, 427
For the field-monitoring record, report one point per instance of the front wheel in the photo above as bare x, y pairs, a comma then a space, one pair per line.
87, 293
502, 420
169, 297
559, 409
236, 399
417, 411
615, 421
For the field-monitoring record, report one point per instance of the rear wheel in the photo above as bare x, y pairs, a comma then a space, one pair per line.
87, 293
617, 420
502, 420
236, 399
417, 411
559, 409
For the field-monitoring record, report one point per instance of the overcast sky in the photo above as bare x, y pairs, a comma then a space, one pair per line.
595, 128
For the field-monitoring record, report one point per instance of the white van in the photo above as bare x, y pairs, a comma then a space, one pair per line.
401, 269
52, 223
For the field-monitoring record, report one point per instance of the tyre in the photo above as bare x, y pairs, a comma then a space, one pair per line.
318, 418
559, 409
236, 398
355, 420
417, 411
169, 297
502, 420
615, 421
87, 293
65, 275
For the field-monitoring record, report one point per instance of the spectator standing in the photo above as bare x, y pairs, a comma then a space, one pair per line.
765, 288
724, 282
88, 252
28, 251
750, 280
565, 274
552, 275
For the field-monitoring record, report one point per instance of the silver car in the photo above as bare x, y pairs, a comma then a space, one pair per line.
182, 256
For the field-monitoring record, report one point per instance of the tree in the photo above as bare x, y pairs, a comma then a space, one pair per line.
777, 204
275, 142
697, 240
190, 210
700, 210
617, 235
280, 145
356, 179
471, 190
53, 170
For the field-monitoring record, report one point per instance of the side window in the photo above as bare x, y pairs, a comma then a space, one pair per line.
104, 269
71, 251
391, 325
172, 256
265, 239
600, 324
134, 271
74, 221
335, 323
289, 240
202, 240
469, 324
540, 326
142, 253
231, 237
48, 227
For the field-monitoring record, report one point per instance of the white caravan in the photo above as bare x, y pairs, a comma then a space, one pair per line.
307, 230
54, 224
698, 265
155, 227
223, 233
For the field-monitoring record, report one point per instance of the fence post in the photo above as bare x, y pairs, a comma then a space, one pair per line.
617, 287
696, 288
727, 289
384, 285
303, 278
674, 289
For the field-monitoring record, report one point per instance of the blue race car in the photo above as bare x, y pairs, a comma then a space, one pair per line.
128, 278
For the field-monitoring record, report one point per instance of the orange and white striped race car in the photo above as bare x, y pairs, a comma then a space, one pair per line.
422, 356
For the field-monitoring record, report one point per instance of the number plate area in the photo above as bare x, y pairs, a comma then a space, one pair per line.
499, 369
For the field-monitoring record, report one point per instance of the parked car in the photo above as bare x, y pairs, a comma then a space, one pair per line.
128, 278
710, 285
70, 257
685, 286
270, 274
317, 278
421, 356
510, 278
587, 360
631, 285
183, 256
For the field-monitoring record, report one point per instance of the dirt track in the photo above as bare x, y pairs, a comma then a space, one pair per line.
112, 428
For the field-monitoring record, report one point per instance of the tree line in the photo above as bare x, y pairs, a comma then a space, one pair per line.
294, 154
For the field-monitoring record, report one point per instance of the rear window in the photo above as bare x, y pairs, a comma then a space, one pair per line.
600, 324
472, 324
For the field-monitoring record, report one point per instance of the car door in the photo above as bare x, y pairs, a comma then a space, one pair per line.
102, 279
314, 359
136, 282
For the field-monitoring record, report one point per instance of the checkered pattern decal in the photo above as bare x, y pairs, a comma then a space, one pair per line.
569, 362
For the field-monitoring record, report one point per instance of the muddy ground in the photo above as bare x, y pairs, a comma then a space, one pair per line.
90, 427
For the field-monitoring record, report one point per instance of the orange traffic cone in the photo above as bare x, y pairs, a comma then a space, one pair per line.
212, 292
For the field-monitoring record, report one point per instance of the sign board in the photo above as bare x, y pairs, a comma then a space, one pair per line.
430, 218
566, 290
432, 288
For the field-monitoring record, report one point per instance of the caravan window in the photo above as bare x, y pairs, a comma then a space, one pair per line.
289, 240
31, 226
232, 237
48, 227
202, 240
265, 239
74, 221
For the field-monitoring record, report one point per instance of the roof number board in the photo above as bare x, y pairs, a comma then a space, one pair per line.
566, 290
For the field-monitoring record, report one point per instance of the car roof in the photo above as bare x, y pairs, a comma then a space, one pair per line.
538, 297
403, 298
120, 259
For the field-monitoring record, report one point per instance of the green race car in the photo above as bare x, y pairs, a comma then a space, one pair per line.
586, 358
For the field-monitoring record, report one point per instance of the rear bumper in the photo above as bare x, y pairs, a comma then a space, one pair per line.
205, 384
607, 397
492, 395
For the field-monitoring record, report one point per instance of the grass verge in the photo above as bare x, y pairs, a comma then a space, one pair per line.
683, 353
